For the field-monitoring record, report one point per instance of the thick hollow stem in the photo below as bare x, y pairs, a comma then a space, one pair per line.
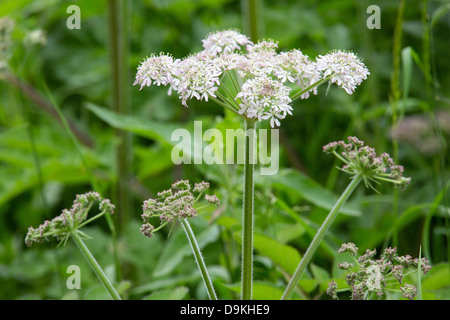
319, 236
247, 218
199, 259
95, 266
119, 52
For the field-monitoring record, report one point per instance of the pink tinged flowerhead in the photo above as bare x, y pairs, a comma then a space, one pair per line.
409, 291
213, 199
147, 230
69, 219
345, 69
157, 70
349, 247
363, 160
225, 41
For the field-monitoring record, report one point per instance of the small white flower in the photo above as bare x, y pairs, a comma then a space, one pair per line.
345, 68
295, 67
198, 76
264, 98
156, 69
224, 41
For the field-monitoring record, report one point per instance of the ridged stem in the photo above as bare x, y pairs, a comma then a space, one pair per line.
247, 217
95, 266
199, 259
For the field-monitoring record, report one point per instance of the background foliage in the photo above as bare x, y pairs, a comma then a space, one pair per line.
43, 166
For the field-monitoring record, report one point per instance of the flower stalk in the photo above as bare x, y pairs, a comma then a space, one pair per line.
199, 259
94, 265
247, 218
319, 236
363, 164
178, 204
68, 225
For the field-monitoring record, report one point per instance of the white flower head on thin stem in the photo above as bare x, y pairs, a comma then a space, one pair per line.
344, 68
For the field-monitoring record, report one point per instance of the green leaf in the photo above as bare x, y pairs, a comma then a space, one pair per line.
178, 293
261, 290
178, 248
143, 127
285, 256
330, 251
439, 13
437, 278
310, 190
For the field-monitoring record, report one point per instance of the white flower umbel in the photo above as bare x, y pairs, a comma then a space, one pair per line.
260, 79
156, 70
345, 69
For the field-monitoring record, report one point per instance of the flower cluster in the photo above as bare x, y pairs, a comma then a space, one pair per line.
175, 203
361, 159
259, 77
344, 68
70, 219
367, 275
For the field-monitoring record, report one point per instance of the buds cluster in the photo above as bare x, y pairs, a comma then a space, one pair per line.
363, 160
69, 220
173, 204
373, 276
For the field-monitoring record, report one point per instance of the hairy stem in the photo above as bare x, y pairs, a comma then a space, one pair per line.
319, 236
247, 218
95, 266
199, 259
118, 49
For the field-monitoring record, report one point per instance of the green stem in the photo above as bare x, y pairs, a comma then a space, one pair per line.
118, 49
199, 259
118, 56
95, 266
316, 84
252, 14
319, 236
91, 219
247, 218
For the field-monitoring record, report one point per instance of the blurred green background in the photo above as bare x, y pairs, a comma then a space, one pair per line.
115, 138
